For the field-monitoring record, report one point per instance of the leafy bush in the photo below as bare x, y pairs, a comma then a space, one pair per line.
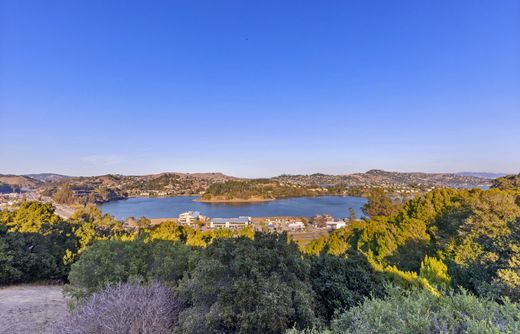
341, 283
419, 312
241, 285
113, 261
124, 308
30, 256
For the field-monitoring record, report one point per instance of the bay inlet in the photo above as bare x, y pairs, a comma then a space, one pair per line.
169, 207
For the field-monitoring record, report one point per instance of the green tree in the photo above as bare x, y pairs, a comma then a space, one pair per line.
352, 214
341, 283
241, 285
113, 261
380, 204
436, 272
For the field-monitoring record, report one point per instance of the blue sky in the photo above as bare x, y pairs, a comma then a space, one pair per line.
259, 88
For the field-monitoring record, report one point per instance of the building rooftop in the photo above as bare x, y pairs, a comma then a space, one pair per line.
239, 220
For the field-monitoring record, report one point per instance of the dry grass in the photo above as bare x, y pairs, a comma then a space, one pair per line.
30, 308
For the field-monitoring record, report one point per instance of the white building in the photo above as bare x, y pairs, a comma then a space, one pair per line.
188, 217
234, 223
296, 226
334, 225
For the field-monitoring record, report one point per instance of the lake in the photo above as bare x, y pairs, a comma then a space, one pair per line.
168, 207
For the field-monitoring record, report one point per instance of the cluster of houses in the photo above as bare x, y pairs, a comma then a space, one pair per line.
193, 217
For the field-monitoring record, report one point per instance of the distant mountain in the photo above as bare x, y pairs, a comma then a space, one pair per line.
51, 177
483, 175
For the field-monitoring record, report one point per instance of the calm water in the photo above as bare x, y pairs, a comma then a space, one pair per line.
337, 206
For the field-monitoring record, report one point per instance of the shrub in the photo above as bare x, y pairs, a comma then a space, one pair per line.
30, 256
113, 261
417, 312
341, 283
247, 286
124, 308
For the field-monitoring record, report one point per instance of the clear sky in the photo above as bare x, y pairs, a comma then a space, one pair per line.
259, 88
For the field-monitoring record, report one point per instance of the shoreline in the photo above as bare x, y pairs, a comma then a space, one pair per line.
236, 200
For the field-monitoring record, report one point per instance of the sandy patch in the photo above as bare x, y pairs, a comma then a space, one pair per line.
30, 308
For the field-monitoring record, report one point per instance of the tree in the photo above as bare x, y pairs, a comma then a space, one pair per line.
352, 214
113, 261
241, 285
31, 216
436, 272
341, 283
379, 204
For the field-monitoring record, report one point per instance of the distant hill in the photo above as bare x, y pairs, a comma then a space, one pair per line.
114, 186
20, 181
48, 177
483, 175
256, 190
83, 189
381, 178
507, 182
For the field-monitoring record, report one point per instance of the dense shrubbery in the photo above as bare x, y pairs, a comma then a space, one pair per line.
247, 286
36, 244
242, 282
341, 283
418, 312
234, 284
112, 261
475, 233
259, 189
508, 182
32, 256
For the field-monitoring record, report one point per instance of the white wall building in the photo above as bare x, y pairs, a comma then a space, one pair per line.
234, 223
296, 226
188, 217
334, 225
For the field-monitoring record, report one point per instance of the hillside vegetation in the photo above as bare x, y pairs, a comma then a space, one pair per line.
447, 261
507, 182
258, 189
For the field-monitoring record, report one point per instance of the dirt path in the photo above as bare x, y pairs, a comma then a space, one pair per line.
30, 308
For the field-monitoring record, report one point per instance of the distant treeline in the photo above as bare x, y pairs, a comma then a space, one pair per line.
269, 189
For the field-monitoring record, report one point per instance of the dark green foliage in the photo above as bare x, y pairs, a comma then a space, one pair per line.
258, 189
31, 256
113, 261
341, 283
36, 244
247, 286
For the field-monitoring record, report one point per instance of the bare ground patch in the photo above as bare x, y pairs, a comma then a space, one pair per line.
30, 308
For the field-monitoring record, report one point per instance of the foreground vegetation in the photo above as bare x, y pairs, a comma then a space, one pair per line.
444, 262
